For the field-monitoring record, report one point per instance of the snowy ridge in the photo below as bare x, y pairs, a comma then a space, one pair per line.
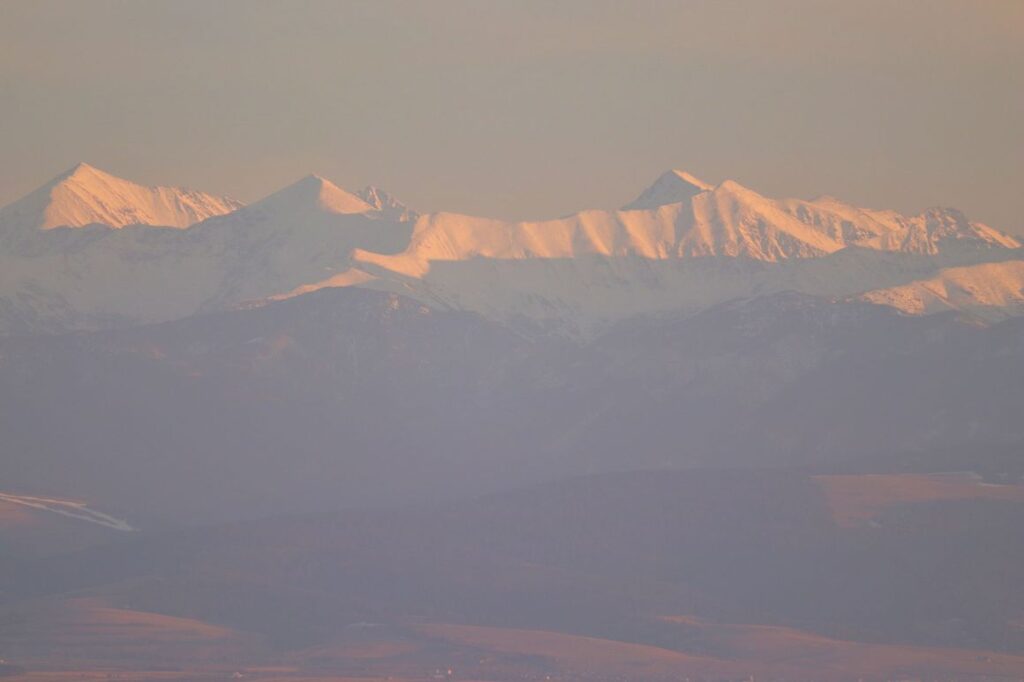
681, 246
728, 220
988, 290
710, 244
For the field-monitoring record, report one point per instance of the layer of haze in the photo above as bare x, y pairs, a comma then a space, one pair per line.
524, 109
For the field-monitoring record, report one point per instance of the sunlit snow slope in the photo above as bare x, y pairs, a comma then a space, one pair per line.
682, 245
84, 195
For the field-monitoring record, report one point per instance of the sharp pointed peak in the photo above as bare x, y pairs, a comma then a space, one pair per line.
315, 190
83, 171
672, 187
79, 167
310, 182
687, 177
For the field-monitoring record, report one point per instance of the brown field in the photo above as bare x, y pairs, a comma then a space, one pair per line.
858, 499
795, 653
84, 639
73, 632
761, 651
190, 675
587, 655
373, 650
493, 590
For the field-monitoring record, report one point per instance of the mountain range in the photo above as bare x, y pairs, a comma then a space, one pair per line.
88, 251
711, 325
709, 435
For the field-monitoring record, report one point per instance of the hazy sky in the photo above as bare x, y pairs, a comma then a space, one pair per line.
524, 109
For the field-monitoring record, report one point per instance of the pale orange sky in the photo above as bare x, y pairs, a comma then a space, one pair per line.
524, 109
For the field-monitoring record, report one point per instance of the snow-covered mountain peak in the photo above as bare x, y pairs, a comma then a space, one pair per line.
313, 192
689, 178
84, 175
85, 195
84, 170
671, 187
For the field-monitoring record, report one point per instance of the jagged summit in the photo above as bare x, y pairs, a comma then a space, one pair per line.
386, 204
671, 187
85, 195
